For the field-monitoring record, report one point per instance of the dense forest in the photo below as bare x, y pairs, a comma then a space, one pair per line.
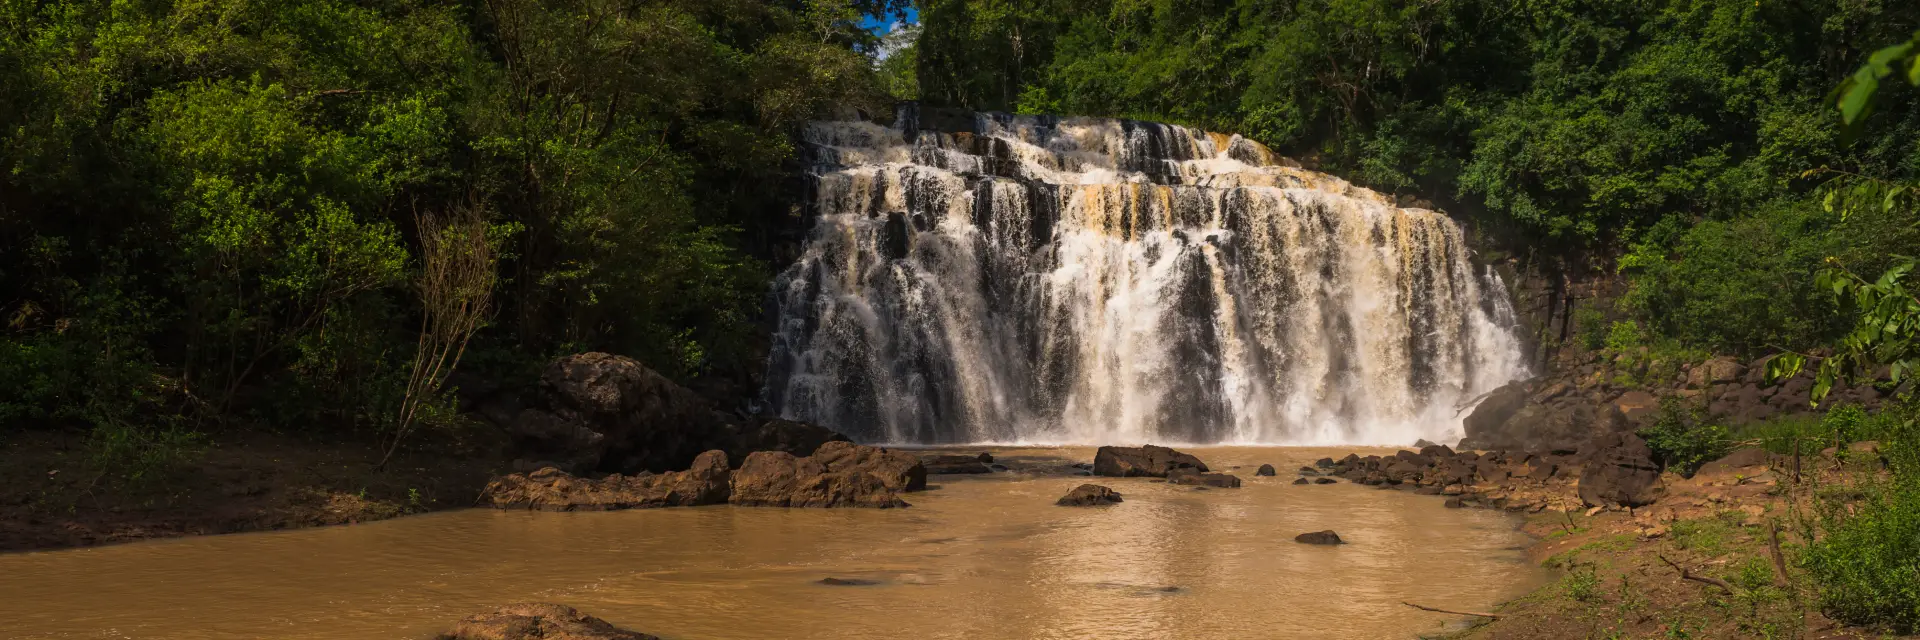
286, 213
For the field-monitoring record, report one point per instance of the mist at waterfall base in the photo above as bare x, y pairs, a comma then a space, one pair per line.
1039, 280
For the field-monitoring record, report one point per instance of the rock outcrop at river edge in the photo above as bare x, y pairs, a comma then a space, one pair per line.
838, 474
597, 412
1616, 471
1588, 396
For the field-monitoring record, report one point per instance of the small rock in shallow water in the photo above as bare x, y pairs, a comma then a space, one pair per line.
849, 582
1323, 480
1089, 495
1309, 471
1319, 537
1300, 481
535, 620
1455, 503
1265, 470
1216, 480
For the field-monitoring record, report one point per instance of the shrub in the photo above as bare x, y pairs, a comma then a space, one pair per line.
1590, 323
1682, 439
1624, 336
1866, 554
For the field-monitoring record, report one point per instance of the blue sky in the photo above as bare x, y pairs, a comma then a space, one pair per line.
881, 26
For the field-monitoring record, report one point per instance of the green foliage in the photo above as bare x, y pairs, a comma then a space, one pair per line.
1582, 583
1624, 336
1590, 323
1866, 555
1577, 123
1682, 438
207, 209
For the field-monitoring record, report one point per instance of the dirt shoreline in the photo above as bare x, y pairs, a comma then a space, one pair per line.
53, 497
1708, 559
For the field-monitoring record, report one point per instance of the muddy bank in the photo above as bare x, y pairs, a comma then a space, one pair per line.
52, 495
1639, 552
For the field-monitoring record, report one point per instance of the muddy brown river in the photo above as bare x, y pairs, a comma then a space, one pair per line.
975, 557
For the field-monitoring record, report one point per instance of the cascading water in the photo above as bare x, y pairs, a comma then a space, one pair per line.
1047, 280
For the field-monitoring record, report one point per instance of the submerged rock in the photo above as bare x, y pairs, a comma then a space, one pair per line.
1089, 495
1191, 477
1147, 461
1323, 480
1319, 537
956, 464
537, 621
848, 582
1301, 481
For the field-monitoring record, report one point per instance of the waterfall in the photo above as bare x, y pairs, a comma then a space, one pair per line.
1045, 280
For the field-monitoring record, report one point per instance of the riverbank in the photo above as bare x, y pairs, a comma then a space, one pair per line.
55, 494
1706, 556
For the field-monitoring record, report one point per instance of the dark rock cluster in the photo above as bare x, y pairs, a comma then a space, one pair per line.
838, 474
537, 621
1592, 397
1148, 461
1613, 470
1089, 495
597, 412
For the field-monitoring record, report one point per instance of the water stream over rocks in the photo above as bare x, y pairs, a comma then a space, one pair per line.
1045, 280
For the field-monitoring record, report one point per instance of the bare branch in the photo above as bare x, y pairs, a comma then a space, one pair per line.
1457, 613
1688, 575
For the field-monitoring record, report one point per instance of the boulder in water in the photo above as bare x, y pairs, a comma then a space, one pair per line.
1147, 461
839, 475
1089, 495
1301, 481
1323, 480
1319, 537
551, 489
1265, 470
538, 621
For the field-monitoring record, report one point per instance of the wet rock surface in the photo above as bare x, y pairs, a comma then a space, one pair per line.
1264, 471
537, 621
550, 489
1146, 461
1216, 480
948, 464
1089, 495
839, 474
1319, 537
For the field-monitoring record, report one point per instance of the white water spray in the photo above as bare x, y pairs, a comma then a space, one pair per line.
1045, 280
